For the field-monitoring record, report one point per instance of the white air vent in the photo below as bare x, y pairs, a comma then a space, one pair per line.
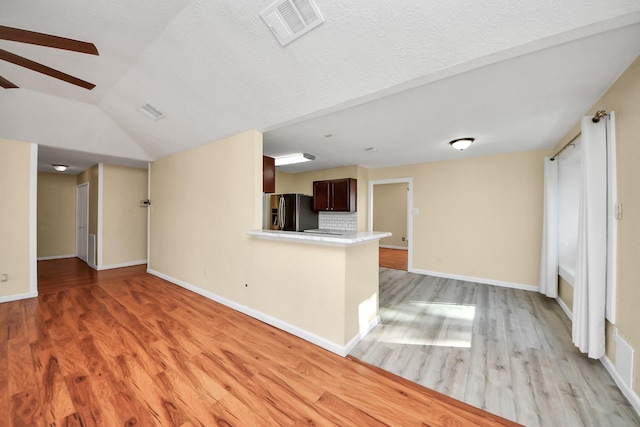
289, 19
152, 111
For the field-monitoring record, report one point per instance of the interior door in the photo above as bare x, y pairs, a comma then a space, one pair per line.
82, 221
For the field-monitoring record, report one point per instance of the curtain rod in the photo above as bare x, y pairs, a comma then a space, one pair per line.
564, 147
596, 118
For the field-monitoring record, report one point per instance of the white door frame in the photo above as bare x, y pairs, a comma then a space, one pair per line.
80, 239
409, 182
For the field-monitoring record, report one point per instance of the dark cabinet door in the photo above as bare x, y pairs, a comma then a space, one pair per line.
268, 174
321, 195
338, 195
341, 195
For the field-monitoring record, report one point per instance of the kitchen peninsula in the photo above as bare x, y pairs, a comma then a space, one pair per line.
327, 284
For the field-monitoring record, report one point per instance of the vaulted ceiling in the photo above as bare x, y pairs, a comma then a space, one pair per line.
401, 77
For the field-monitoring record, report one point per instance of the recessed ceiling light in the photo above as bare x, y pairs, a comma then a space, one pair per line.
294, 158
60, 168
461, 143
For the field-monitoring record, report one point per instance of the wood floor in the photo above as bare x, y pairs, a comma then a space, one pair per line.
394, 258
129, 349
503, 350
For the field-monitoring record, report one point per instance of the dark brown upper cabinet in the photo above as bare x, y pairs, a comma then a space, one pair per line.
336, 195
268, 174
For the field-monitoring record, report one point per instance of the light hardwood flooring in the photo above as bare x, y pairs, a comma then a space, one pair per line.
129, 349
503, 350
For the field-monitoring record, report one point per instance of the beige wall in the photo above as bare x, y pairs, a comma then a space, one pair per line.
56, 214
15, 212
479, 217
303, 183
390, 212
624, 98
91, 176
124, 221
204, 201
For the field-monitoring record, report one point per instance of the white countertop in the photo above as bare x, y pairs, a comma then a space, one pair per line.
349, 239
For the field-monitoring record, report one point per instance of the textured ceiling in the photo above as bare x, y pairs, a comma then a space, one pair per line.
404, 77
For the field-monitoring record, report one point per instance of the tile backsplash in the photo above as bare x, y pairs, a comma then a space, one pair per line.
344, 221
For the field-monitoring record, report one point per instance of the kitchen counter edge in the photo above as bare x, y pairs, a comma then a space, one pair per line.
349, 239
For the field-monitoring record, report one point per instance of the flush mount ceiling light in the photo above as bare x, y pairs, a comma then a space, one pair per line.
60, 168
294, 158
461, 143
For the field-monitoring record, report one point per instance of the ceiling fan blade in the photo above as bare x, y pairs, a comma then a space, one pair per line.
35, 66
7, 84
41, 39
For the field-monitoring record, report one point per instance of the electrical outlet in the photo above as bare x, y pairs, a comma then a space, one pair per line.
618, 210
4, 277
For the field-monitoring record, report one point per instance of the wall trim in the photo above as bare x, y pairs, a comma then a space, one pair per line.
480, 280
17, 297
564, 308
631, 395
268, 319
410, 212
100, 214
402, 248
46, 258
33, 221
122, 264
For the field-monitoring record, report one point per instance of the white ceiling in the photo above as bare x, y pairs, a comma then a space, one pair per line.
403, 77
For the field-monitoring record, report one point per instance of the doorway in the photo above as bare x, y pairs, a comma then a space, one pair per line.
82, 221
390, 207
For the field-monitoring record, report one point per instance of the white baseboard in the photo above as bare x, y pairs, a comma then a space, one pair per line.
17, 297
268, 319
530, 288
403, 248
631, 395
123, 264
564, 308
47, 258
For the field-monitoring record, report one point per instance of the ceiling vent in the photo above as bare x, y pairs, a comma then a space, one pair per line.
289, 19
153, 112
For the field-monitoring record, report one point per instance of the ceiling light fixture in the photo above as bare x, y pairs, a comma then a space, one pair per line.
461, 143
60, 168
294, 158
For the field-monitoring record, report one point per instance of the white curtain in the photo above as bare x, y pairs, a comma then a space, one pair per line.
591, 265
548, 282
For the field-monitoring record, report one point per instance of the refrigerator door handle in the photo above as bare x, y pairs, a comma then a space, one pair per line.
281, 212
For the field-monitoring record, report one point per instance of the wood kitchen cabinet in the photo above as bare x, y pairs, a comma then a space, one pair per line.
336, 195
268, 174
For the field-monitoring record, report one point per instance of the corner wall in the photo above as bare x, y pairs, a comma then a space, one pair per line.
624, 98
204, 201
479, 218
124, 229
56, 215
390, 213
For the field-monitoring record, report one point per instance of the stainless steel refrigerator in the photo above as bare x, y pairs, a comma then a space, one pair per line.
292, 212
